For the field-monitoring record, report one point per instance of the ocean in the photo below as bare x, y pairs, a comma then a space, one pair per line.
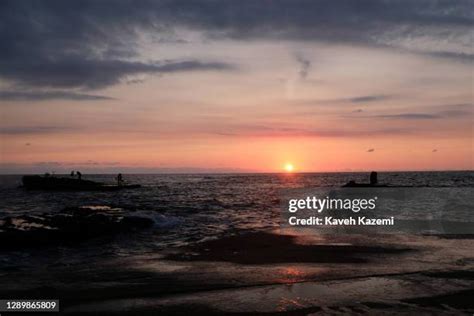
188, 208
183, 209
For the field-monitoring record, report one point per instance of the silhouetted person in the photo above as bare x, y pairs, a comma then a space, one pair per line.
79, 175
72, 174
373, 178
119, 179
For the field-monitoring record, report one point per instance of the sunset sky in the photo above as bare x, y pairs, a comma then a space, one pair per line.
171, 86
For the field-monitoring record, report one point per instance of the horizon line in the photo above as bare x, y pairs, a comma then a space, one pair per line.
246, 172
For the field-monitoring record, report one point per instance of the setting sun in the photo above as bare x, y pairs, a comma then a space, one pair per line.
289, 167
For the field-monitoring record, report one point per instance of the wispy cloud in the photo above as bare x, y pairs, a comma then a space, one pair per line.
59, 167
359, 100
426, 116
367, 98
27, 130
49, 95
269, 131
409, 116
434, 112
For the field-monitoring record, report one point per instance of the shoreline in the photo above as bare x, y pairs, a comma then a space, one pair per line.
233, 275
384, 297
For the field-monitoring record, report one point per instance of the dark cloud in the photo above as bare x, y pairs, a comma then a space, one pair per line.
435, 150
463, 57
304, 64
134, 81
351, 100
363, 22
84, 45
91, 74
48, 95
434, 112
371, 150
92, 43
427, 116
368, 98
409, 116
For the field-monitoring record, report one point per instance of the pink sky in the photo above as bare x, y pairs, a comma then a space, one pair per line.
243, 103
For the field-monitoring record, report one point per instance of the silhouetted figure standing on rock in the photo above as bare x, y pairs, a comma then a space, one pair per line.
79, 175
119, 179
72, 174
373, 178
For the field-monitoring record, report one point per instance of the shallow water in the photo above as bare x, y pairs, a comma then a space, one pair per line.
190, 208
185, 209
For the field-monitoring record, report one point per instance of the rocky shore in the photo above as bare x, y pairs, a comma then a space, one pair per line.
71, 225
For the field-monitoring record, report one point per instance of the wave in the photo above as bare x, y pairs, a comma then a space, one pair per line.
77, 224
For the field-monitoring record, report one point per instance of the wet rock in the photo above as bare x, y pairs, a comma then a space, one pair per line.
71, 225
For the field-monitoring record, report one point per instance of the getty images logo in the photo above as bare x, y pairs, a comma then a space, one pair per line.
319, 205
